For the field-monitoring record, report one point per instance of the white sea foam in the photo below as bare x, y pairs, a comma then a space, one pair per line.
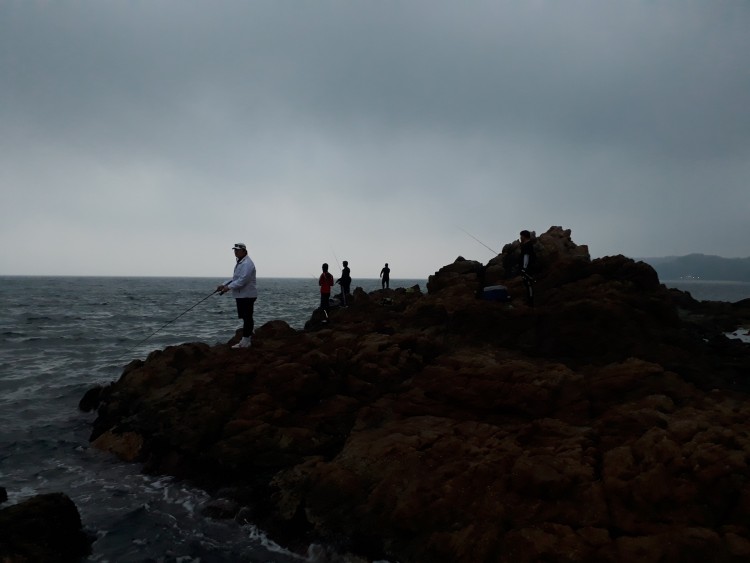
741, 334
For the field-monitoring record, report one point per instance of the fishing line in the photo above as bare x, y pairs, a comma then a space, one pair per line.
169, 323
479, 241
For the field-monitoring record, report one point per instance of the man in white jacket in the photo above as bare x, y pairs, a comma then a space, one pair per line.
244, 292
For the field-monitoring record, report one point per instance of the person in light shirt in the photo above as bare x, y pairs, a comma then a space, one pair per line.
243, 288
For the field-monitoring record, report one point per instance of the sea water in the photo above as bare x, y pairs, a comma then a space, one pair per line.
729, 291
702, 290
60, 336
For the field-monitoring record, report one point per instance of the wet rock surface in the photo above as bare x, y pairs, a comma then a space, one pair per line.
608, 423
43, 528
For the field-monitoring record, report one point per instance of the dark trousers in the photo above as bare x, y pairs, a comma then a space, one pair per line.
324, 299
345, 292
245, 308
528, 283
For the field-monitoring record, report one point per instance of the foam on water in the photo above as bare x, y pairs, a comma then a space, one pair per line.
741, 334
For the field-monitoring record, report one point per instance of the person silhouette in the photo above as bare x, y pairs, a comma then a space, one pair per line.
325, 281
526, 264
385, 274
345, 281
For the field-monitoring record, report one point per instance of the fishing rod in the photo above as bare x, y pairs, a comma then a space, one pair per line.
170, 322
480, 242
336, 257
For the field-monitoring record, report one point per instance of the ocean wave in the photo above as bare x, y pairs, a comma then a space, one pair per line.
10, 333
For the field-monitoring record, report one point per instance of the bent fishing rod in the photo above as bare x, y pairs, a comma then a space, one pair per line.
480, 242
169, 322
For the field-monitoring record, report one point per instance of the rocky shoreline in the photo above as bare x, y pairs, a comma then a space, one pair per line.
608, 423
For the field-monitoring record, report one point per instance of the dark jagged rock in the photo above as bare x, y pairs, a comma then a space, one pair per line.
608, 423
91, 399
43, 528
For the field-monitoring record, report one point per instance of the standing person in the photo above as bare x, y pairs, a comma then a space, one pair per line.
345, 281
325, 281
526, 263
385, 273
244, 292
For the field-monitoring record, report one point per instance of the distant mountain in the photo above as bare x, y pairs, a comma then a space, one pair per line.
700, 266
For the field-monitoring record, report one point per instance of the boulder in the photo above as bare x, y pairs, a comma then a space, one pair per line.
43, 528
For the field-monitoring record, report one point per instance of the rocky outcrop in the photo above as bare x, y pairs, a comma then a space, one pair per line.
43, 528
608, 423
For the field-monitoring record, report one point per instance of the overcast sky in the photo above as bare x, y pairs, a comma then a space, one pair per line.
147, 137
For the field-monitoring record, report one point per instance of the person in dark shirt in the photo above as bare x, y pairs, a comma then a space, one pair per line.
385, 273
345, 281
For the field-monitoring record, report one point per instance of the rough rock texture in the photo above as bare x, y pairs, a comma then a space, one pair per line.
608, 423
43, 528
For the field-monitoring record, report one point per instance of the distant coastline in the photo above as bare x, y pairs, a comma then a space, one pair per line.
700, 267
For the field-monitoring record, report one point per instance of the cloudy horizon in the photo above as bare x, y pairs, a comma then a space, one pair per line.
146, 138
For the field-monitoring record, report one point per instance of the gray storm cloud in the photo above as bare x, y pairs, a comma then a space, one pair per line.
376, 129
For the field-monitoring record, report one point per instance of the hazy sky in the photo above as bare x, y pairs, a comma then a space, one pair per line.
146, 137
